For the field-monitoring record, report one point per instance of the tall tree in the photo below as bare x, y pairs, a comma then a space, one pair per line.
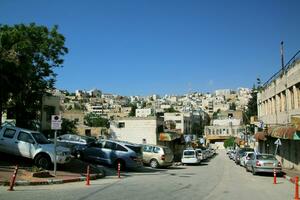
94, 120
28, 56
252, 105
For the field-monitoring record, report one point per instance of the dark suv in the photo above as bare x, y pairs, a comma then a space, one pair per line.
76, 143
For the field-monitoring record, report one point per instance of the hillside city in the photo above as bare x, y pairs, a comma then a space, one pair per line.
151, 100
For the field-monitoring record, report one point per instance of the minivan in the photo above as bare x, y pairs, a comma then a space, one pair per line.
157, 156
190, 156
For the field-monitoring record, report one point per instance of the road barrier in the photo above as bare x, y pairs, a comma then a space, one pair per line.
275, 180
296, 188
13, 179
88, 175
119, 169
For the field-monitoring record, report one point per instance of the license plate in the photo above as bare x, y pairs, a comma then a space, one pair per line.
269, 164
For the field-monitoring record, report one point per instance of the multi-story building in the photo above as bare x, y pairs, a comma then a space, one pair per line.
143, 112
279, 110
225, 127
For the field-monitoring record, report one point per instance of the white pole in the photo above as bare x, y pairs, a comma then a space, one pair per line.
55, 141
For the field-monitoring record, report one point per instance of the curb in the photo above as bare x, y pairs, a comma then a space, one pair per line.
290, 179
53, 181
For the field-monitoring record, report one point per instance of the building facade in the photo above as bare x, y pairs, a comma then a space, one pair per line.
279, 112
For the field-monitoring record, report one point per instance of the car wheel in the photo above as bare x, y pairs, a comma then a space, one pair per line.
154, 163
43, 161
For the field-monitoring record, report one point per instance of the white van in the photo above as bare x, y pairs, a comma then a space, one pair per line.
190, 156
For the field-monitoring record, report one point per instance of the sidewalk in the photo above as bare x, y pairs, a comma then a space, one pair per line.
74, 171
290, 174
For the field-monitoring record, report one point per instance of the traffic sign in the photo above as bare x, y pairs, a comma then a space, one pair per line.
277, 142
56, 122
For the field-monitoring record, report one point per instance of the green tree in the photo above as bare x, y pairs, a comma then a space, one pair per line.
232, 106
28, 56
251, 106
229, 142
94, 120
132, 111
215, 114
68, 126
170, 110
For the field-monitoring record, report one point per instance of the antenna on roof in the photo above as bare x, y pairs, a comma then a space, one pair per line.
282, 57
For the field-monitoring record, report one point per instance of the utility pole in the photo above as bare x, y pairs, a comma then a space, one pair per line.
284, 72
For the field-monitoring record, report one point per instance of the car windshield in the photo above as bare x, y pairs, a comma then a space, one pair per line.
136, 149
189, 153
265, 157
40, 138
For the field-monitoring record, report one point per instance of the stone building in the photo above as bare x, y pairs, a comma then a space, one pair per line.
279, 112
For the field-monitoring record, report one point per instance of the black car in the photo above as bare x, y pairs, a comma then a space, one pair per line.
77, 143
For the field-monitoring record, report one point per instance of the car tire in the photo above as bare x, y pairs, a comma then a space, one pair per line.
154, 163
43, 161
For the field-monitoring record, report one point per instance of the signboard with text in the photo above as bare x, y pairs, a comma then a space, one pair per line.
56, 122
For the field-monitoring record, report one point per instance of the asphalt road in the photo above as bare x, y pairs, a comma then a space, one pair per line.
216, 179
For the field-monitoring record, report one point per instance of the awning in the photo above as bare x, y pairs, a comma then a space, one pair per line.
285, 132
260, 136
168, 136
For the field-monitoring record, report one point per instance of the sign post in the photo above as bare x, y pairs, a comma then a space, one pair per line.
277, 142
55, 125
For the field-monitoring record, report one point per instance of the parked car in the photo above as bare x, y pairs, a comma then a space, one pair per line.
239, 154
201, 154
112, 152
232, 154
190, 156
245, 157
76, 143
205, 152
263, 163
157, 156
33, 145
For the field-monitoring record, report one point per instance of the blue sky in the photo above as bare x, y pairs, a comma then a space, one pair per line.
142, 47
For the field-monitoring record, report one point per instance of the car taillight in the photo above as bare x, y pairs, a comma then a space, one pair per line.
163, 157
258, 163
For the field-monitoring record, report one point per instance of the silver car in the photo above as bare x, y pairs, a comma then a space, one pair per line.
157, 156
263, 163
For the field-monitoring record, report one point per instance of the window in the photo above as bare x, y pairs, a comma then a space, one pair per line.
121, 125
120, 148
110, 145
25, 137
9, 133
156, 149
147, 148
177, 121
136, 149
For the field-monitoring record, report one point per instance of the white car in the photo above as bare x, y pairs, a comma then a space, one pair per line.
33, 145
246, 156
190, 156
